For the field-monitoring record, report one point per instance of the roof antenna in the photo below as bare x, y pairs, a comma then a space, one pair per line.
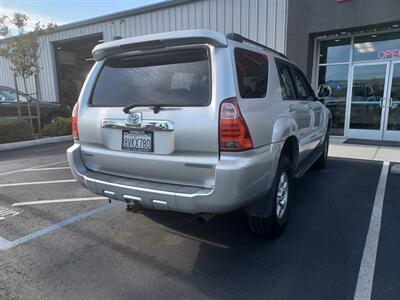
116, 37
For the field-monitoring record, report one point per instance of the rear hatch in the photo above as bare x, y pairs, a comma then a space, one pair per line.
170, 132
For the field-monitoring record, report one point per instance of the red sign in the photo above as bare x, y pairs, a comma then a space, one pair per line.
389, 53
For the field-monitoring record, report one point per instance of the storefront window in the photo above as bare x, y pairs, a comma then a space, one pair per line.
336, 77
334, 51
377, 46
374, 59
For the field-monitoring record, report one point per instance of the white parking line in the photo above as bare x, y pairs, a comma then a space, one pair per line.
40, 166
6, 244
367, 267
36, 182
59, 201
46, 169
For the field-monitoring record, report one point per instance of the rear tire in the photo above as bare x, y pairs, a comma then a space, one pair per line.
280, 195
320, 163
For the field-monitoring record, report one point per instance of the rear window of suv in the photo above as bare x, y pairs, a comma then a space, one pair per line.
252, 73
174, 78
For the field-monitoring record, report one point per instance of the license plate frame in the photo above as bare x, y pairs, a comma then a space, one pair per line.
132, 145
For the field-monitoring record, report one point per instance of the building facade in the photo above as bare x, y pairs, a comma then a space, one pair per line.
353, 46
65, 55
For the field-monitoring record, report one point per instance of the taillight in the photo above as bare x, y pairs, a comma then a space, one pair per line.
75, 131
234, 135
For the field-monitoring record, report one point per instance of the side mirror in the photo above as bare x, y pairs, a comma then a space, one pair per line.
324, 91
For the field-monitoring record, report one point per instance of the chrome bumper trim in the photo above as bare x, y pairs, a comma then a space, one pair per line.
152, 125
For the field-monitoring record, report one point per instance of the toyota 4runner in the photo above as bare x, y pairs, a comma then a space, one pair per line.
197, 122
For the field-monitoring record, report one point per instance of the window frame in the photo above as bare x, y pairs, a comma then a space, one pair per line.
235, 49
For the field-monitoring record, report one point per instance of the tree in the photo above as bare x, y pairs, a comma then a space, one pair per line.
22, 51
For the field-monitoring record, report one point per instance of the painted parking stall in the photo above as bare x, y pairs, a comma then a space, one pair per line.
387, 271
67, 241
26, 194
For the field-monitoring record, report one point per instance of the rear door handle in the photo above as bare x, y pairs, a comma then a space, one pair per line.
291, 108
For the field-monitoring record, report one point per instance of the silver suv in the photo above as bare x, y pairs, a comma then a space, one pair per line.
197, 122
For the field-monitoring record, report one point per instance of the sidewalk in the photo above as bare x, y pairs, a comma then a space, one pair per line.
30, 143
378, 153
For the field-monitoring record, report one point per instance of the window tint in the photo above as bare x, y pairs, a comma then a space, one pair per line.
285, 80
304, 90
252, 73
176, 78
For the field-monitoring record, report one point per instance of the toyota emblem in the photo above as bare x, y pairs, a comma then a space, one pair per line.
134, 119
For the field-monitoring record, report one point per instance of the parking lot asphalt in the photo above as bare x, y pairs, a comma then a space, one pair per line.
91, 249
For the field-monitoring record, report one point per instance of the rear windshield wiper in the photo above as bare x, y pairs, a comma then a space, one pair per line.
156, 108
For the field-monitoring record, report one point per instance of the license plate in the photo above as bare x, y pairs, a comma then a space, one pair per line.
138, 141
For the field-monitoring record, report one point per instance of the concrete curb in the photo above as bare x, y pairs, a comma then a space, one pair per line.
23, 144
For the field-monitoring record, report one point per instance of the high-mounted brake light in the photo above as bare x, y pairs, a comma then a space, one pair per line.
234, 135
75, 131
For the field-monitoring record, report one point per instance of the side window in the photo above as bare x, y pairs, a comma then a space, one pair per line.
11, 96
286, 81
252, 73
303, 87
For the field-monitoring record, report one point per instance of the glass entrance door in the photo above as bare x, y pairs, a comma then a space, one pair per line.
367, 100
374, 101
392, 116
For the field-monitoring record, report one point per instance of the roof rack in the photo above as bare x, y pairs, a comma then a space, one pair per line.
241, 39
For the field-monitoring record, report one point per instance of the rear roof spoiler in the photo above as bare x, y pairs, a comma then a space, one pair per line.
159, 41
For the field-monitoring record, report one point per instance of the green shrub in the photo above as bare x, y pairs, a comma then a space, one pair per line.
58, 127
14, 130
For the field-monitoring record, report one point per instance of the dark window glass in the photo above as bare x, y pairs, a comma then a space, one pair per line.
252, 73
377, 46
176, 78
334, 51
73, 61
286, 82
304, 90
368, 88
336, 77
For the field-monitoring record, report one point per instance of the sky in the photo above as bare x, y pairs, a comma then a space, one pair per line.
67, 11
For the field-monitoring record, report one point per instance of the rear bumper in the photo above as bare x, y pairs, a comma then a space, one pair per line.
240, 178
